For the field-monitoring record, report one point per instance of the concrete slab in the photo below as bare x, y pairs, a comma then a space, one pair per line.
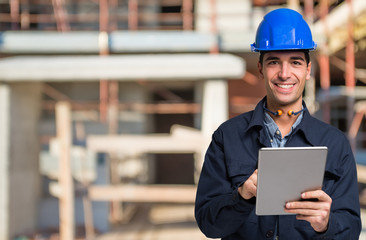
158, 222
161, 67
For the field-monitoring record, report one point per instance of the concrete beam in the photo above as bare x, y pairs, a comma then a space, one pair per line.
122, 68
35, 42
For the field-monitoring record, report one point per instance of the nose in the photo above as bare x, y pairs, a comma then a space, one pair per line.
284, 72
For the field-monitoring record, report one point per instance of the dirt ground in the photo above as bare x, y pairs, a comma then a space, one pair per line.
168, 222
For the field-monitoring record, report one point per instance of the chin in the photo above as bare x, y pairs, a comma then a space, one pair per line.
285, 99
288, 101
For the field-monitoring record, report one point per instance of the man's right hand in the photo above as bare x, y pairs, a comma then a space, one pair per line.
249, 188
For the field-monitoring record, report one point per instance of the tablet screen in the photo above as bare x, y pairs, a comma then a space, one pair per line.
284, 173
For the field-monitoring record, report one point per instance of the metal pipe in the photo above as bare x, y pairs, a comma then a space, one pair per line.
215, 48
61, 15
350, 50
350, 66
187, 14
133, 15
14, 14
324, 58
103, 51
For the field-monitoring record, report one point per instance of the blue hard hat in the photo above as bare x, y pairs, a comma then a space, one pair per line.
283, 29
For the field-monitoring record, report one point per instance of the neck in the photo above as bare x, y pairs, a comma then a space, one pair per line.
280, 112
295, 107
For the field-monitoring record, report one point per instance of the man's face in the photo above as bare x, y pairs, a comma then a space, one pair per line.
284, 74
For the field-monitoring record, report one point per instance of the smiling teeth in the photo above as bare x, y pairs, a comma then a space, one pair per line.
285, 86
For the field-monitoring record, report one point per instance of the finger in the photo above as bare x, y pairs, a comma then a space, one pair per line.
248, 191
304, 212
317, 194
255, 177
305, 204
250, 186
298, 205
308, 218
254, 190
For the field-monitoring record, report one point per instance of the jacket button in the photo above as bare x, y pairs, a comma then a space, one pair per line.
269, 234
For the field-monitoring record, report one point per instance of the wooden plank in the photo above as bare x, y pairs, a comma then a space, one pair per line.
141, 144
88, 218
181, 140
361, 173
66, 199
143, 193
147, 108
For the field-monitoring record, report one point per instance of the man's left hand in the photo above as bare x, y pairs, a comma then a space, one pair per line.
315, 212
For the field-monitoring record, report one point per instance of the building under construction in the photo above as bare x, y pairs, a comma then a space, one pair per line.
109, 105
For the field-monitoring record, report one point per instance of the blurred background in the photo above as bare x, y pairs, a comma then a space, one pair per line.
107, 106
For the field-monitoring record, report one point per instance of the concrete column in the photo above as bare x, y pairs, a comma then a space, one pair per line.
4, 161
23, 168
215, 105
215, 111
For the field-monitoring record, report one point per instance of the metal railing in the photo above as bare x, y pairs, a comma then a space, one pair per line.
79, 15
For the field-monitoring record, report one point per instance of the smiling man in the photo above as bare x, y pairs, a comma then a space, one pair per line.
225, 201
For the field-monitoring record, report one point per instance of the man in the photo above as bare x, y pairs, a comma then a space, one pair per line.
225, 201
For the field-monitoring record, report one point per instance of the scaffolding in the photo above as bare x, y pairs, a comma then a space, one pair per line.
112, 21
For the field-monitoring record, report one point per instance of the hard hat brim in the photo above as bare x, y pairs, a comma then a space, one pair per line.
267, 49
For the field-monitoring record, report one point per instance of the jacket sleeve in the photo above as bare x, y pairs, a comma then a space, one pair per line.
219, 209
344, 222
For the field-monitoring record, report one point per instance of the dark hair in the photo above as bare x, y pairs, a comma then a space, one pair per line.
306, 52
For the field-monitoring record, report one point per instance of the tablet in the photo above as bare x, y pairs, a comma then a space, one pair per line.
284, 173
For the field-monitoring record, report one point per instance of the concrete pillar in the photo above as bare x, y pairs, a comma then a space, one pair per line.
215, 105
198, 98
23, 176
4, 161
215, 110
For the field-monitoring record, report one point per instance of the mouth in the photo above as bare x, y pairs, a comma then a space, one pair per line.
285, 86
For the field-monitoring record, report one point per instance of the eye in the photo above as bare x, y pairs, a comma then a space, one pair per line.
272, 62
297, 62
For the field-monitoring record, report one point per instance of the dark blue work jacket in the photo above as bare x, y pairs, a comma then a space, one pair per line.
232, 157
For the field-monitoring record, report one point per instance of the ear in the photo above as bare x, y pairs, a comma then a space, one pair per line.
308, 71
260, 69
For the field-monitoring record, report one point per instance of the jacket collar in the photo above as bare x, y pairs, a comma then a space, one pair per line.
258, 115
307, 127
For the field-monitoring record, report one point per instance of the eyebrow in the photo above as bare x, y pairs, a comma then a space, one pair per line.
270, 58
